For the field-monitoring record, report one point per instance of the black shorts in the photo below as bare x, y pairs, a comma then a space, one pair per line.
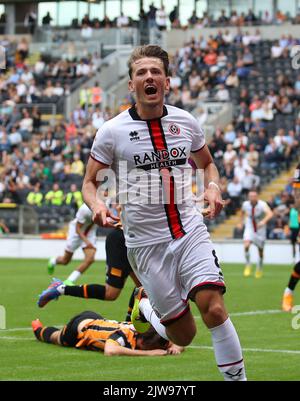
294, 235
118, 267
70, 331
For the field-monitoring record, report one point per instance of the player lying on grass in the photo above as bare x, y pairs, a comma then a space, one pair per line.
90, 331
118, 269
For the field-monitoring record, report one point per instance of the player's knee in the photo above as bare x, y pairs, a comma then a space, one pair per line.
111, 293
111, 296
183, 339
182, 333
216, 313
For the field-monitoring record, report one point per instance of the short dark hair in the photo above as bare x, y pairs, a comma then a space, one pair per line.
149, 51
152, 340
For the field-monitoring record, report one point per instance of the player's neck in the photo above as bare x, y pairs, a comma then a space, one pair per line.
150, 112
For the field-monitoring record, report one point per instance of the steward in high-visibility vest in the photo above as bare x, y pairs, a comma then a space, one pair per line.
35, 197
55, 196
74, 197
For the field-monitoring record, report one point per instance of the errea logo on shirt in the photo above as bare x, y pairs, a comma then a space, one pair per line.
134, 136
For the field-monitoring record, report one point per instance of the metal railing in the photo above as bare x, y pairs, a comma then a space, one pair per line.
19, 219
43, 108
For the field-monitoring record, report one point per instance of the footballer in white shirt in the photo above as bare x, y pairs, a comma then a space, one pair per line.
255, 216
169, 247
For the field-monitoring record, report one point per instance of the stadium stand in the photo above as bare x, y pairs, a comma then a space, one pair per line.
254, 74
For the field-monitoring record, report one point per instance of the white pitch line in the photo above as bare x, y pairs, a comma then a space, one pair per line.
273, 351
249, 313
257, 312
15, 338
59, 326
252, 313
280, 351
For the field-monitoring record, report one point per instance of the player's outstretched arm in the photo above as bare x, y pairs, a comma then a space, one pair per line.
101, 214
268, 216
212, 194
81, 234
113, 349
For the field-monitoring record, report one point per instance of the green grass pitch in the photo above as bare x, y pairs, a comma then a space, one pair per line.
271, 345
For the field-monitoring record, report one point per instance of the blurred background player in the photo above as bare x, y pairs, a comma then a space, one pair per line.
255, 215
294, 227
90, 331
82, 233
288, 297
118, 269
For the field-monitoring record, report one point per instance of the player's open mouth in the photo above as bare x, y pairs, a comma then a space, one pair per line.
150, 90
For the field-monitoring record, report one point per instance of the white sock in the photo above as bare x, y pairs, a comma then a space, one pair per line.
247, 256
53, 260
288, 291
74, 276
228, 352
259, 264
61, 289
151, 317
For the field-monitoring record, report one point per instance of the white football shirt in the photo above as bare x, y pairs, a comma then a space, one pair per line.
253, 215
84, 217
150, 159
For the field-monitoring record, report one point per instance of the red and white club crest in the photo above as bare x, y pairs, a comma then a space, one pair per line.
174, 129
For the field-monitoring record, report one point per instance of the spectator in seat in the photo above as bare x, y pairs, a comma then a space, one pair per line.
58, 90
55, 196
74, 197
47, 144
247, 57
279, 229
222, 94
234, 189
48, 92
77, 166
35, 197
276, 50
253, 157
232, 80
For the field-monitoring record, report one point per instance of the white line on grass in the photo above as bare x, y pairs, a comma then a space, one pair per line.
16, 338
249, 313
59, 326
252, 313
273, 351
280, 351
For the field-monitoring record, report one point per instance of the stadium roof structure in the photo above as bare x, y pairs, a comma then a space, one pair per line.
45, 1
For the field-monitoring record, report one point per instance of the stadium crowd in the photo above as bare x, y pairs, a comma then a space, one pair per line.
157, 17
47, 80
262, 139
160, 18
